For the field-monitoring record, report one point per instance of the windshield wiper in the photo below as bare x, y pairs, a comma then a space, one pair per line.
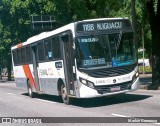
102, 44
119, 39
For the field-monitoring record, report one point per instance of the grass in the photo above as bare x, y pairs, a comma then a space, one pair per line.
147, 69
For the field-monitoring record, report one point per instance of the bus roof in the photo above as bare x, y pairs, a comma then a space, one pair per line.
70, 26
44, 35
101, 19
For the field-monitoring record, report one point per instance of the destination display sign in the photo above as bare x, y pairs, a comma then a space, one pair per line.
103, 25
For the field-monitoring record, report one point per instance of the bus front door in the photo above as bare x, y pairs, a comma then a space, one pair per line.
68, 59
35, 67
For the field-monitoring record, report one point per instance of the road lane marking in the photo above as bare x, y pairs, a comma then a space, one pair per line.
35, 99
118, 115
156, 123
46, 101
10, 93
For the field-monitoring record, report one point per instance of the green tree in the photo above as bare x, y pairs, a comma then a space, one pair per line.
15, 17
5, 35
153, 7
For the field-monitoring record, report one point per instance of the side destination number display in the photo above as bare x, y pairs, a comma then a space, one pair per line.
103, 25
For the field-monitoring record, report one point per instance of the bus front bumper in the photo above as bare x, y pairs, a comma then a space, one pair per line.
87, 92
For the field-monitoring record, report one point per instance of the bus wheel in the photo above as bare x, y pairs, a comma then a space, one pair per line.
30, 91
66, 99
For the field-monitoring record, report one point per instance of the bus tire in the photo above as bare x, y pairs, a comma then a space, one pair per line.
30, 91
66, 99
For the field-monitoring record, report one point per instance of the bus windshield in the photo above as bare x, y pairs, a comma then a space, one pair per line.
106, 50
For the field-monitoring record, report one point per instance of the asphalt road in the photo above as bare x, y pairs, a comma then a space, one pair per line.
14, 102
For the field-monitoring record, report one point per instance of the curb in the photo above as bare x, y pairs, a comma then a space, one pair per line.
144, 87
148, 87
4, 81
145, 75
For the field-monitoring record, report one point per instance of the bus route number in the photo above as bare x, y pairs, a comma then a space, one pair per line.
88, 27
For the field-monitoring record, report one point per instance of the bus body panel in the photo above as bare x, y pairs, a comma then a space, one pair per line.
20, 77
49, 76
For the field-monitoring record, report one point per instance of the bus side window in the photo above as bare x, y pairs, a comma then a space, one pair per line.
56, 48
19, 61
48, 49
23, 55
15, 57
41, 51
28, 55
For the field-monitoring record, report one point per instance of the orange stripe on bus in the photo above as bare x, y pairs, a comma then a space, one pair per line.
28, 74
20, 45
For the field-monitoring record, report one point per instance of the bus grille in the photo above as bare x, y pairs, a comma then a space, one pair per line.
108, 88
110, 72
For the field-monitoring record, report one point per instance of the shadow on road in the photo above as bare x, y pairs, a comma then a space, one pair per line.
96, 102
47, 97
112, 100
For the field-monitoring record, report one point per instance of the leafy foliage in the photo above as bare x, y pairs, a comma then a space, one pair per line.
15, 18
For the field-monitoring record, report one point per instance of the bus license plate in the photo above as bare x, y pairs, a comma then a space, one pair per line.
117, 88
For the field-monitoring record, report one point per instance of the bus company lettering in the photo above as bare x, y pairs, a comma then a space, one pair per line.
43, 72
102, 26
106, 81
50, 71
46, 72
109, 81
126, 78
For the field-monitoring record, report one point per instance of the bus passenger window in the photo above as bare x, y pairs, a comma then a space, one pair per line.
28, 55
15, 57
19, 57
56, 48
48, 49
41, 51
23, 55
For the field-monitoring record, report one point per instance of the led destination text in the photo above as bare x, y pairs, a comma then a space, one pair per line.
102, 26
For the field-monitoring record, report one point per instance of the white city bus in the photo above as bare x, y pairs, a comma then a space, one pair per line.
84, 59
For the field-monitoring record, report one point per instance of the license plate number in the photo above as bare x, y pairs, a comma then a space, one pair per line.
117, 88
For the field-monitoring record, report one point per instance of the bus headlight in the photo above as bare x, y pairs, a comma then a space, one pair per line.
86, 82
135, 77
